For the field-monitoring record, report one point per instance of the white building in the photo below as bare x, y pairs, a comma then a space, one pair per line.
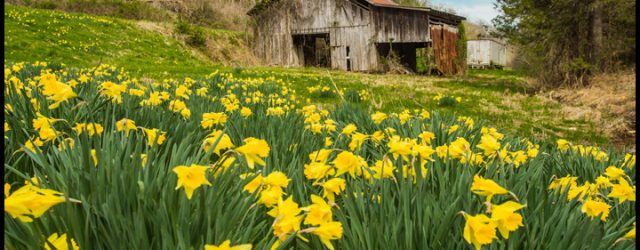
486, 52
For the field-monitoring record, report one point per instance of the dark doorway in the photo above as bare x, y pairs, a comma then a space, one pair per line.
315, 48
403, 54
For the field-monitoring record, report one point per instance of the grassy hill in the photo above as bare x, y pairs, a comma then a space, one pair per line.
152, 50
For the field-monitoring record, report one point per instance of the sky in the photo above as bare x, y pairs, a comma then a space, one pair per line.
473, 10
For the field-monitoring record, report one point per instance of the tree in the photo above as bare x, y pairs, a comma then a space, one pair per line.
565, 41
461, 50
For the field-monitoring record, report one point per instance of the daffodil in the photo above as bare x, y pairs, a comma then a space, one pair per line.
246, 112
378, 117
346, 162
486, 187
614, 173
333, 187
426, 137
152, 134
60, 242
563, 182
563, 145
317, 170
320, 156
270, 196
452, 129
276, 179
224, 142
489, 144
191, 178
90, 128
318, 212
30, 202
126, 125
383, 169
254, 150
287, 218
595, 208
506, 218
349, 129
399, 147
328, 231
623, 191
211, 119
253, 184
479, 230
226, 245
460, 148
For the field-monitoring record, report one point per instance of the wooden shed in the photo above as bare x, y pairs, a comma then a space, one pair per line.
486, 52
353, 35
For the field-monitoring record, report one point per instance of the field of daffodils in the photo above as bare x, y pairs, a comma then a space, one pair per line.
95, 159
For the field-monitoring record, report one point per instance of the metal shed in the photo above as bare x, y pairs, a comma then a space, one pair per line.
482, 53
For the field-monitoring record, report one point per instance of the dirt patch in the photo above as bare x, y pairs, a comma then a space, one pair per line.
609, 102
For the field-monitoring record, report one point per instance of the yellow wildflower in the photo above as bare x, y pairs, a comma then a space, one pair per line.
246, 112
152, 134
357, 139
126, 125
563, 145
596, 208
226, 245
506, 218
349, 129
489, 144
452, 129
60, 242
346, 162
327, 232
378, 117
191, 178
614, 173
479, 230
253, 184
276, 179
383, 169
317, 170
486, 187
623, 191
318, 212
210, 119
224, 143
333, 187
30, 202
254, 150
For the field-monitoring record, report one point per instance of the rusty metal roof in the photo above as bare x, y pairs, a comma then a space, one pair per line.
384, 2
390, 4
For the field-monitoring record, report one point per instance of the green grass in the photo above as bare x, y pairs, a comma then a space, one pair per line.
83, 40
497, 96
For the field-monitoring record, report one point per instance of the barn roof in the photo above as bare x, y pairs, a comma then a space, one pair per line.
384, 2
391, 4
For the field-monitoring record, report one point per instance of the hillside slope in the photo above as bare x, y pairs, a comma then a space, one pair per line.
83, 40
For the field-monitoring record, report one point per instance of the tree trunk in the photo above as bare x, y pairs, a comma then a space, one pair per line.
597, 35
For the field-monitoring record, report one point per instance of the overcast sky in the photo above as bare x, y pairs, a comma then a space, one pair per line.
473, 10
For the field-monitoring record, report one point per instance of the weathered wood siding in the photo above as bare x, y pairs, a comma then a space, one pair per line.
347, 23
406, 26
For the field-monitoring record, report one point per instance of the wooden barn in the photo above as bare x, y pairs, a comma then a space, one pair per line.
352, 35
